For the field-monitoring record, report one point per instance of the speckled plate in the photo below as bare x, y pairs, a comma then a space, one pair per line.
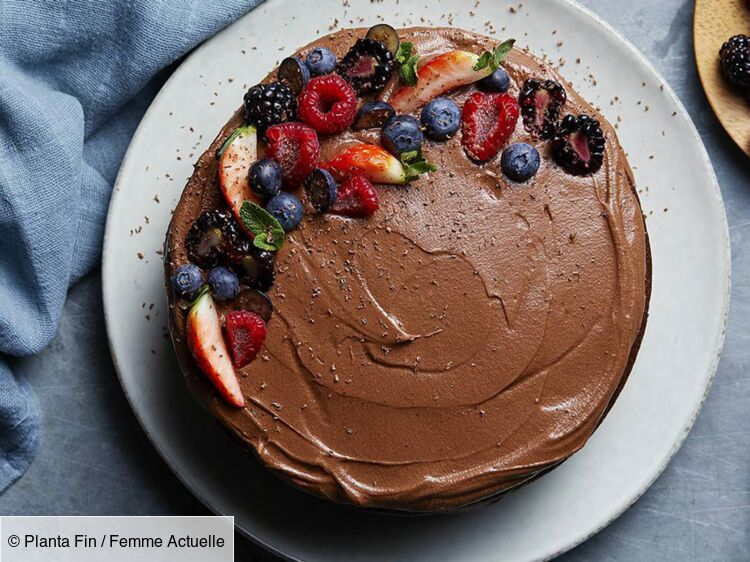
679, 355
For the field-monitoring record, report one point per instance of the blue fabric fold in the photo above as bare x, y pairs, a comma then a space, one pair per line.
75, 79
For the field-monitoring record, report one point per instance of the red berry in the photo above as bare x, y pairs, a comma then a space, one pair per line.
295, 147
245, 333
488, 120
356, 197
328, 104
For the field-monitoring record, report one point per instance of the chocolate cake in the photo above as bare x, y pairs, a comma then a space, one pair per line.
456, 297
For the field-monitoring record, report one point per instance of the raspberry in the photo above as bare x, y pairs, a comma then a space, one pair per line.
356, 198
328, 104
295, 147
579, 145
541, 102
488, 120
245, 333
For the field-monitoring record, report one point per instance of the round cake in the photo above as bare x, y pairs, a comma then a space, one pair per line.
411, 272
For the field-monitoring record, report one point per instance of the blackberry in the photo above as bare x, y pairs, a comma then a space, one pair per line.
212, 237
367, 66
270, 104
254, 267
579, 145
541, 102
735, 60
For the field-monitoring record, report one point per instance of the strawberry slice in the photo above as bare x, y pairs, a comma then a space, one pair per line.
295, 147
368, 160
237, 154
207, 346
245, 332
488, 120
440, 74
356, 198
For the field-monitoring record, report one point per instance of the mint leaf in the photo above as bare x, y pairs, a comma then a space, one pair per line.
266, 230
415, 164
495, 57
407, 60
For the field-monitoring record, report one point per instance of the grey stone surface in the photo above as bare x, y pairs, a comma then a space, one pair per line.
95, 459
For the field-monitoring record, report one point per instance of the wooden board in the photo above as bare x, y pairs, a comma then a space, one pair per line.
715, 21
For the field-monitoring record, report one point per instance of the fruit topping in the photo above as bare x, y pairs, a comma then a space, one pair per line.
385, 34
267, 232
321, 189
373, 115
295, 147
245, 332
206, 344
265, 178
520, 161
367, 66
356, 198
488, 122
255, 301
328, 104
255, 267
224, 284
239, 151
286, 209
321, 61
368, 160
294, 74
441, 119
541, 102
579, 145
211, 237
735, 60
187, 280
402, 134
270, 104
498, 81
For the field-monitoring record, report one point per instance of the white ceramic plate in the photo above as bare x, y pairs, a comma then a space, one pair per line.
679, 355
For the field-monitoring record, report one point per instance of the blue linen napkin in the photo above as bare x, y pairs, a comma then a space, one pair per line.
75, 79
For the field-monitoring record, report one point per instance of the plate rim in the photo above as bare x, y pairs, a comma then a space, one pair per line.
718, 345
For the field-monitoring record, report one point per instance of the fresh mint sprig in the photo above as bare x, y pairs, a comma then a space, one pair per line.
266, 229
495, 57
407, 60
415, 164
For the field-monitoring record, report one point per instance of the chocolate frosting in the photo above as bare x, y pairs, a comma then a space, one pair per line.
468, 336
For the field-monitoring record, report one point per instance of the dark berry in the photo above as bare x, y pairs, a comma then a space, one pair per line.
187, 280
373, 115
440, 118
401, 134
254, 301
328, 104
541, 102
356, 198
321, 61
520, 161
255, 267
498, 81
296, 148
579, 145
367, 66
321, 189
735, 60
245, 333
223, 283
294, 74
287, 209
212, 237
270, 104
266, 177
385, 34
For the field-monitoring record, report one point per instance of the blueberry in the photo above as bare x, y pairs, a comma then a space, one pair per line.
321, 189
187, 280
321, 61
287, 209
402, 134
294, 74
223, 283
498, 81
441, 119
373, 114
265, 177
520, 161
